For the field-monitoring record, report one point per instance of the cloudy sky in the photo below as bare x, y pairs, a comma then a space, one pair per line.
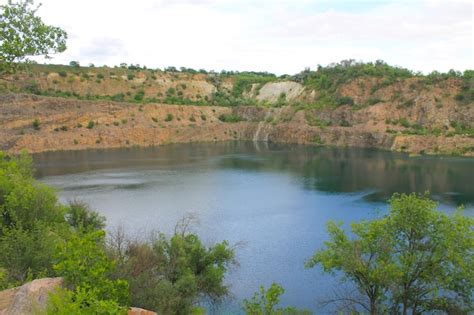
280, 36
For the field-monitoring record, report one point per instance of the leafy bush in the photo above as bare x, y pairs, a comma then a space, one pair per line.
120, 97
346, 100
264, 302
31, 222
139, 96
171, 274
80, 217
171, 91
36, 124
230, 118
169, 117
86, 270
90, 124
374, 100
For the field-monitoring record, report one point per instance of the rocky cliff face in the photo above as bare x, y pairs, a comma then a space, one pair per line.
348, 104
29, 298
32, 298
38, 123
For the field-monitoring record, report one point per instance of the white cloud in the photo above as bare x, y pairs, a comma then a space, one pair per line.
281, 36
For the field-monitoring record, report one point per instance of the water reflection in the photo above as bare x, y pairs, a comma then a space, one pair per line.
325, 169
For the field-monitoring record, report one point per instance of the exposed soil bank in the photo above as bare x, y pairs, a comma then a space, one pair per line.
38, 124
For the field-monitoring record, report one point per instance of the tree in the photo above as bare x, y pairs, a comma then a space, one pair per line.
24, 34
86, 270
82, 218
414, 259
264, 302
31, 222
171, 274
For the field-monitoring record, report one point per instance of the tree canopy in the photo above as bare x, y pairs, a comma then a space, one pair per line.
23, 34
415, 259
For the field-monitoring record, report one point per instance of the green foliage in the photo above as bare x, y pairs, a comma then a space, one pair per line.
264, 302
119, 97
414, 259
171, 91
328, 78
404, 122
66, 302
130, 76
230, 118
374, 100
345, 100
169, 117
139, 95
90, 124
313, 120
23, 34
31, 222
462, 129
86, 269
82, 218
36, 124
170, 275
243, 82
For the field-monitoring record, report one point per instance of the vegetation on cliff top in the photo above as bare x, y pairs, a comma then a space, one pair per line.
243, 89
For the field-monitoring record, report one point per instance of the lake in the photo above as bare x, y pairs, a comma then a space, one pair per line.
272, 200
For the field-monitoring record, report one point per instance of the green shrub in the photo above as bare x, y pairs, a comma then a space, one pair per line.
230, 118
169, 117
344, 123
120, 97
459, 97
171, 91
130, 76
31, 223
86, 270
82, 218
36, 124
345, 100
172, 274
265, 302
373, 100
62, 73
90, 124
139, 96
404, 122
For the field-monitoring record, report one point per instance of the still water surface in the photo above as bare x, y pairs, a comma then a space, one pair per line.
273, 200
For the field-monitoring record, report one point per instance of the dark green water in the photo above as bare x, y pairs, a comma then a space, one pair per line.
274, 200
